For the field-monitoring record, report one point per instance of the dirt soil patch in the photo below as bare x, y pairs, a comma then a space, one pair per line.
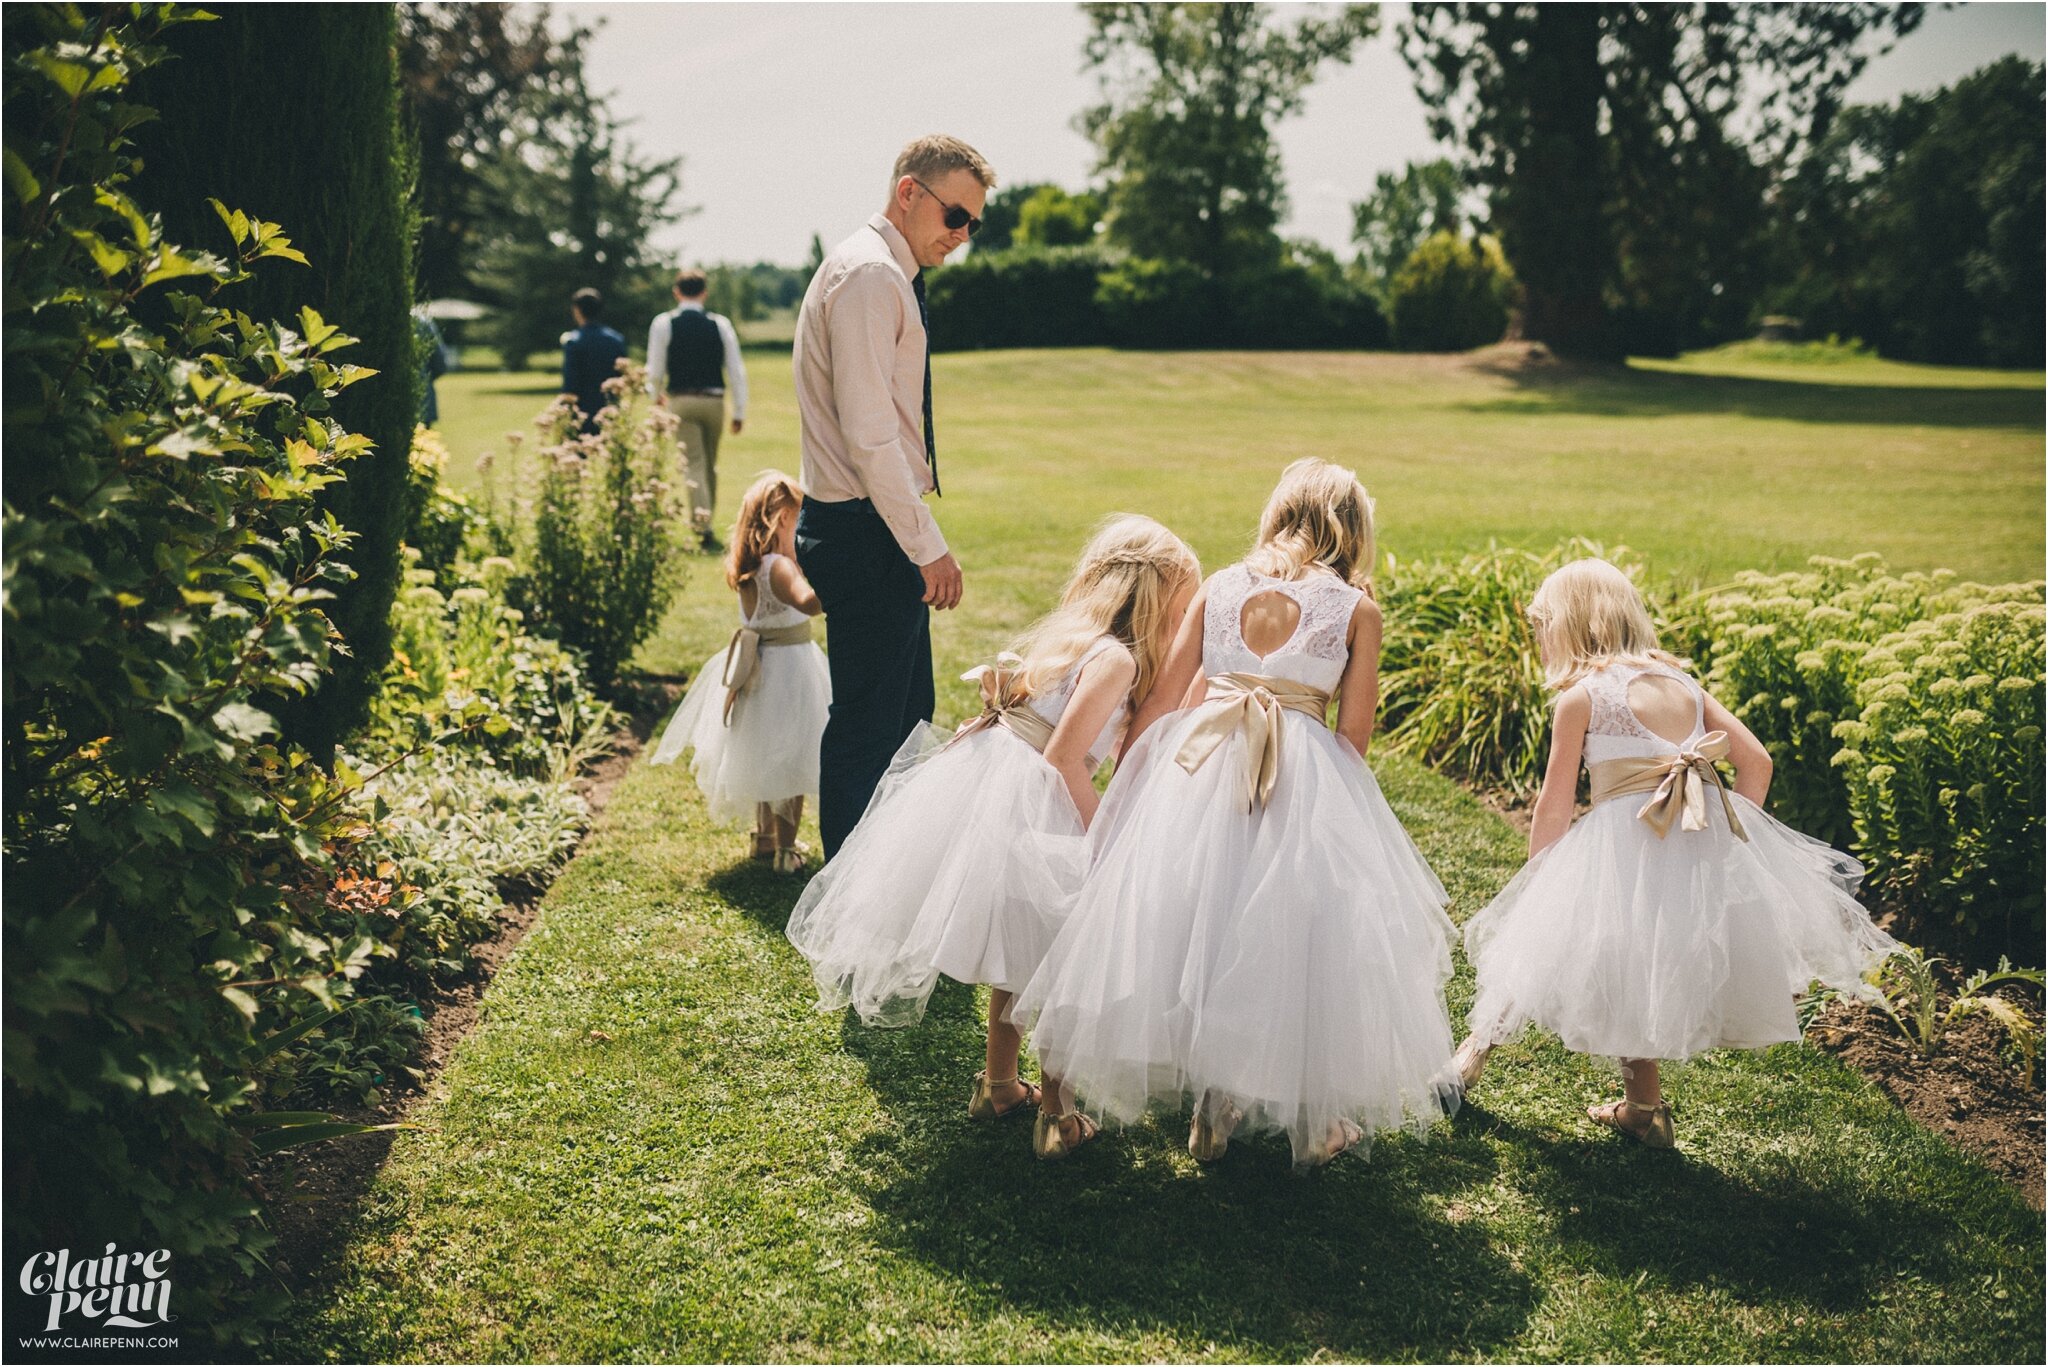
1967, 1091
310, 1195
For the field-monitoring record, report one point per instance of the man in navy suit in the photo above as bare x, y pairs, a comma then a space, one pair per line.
590, 355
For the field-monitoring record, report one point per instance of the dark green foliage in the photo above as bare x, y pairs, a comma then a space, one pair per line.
1451, 295
1000, 215
291, 113
1185, 131
1054, 218
1402, 211
572, 206
1627, 149
1037, 297
167, 570
463, 71
1918, 226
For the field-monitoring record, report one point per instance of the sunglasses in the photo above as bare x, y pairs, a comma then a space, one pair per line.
956, 217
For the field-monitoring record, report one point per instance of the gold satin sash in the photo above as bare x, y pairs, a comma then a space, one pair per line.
1677, 785
743, 657
1003, 702
1249, 704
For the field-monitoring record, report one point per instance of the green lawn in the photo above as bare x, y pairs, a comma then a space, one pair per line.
652, 1146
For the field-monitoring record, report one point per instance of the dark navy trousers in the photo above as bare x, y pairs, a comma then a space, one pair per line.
878, 637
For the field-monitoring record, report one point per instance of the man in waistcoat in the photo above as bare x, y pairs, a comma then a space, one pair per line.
590, 355
864, 537
693, 362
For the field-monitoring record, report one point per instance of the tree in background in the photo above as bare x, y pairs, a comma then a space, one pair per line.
1054, 218
328, 163
1191, 93
1605, 137
1451, 294
463, 72
998, 217
1918, 226
1403, 210
574, 206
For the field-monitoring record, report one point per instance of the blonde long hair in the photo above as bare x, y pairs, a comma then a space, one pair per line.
1588, 615
1319, 514
753, 532
1123, 586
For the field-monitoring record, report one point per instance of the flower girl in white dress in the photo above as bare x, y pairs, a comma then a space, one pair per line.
1257, 933
973, 847
756, 710
1674, 916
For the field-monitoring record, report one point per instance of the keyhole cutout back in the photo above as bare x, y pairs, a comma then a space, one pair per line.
1268, 621
1667, 708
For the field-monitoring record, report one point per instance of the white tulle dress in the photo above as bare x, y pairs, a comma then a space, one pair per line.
1285, 960
965, 863
766, 748
1628, 944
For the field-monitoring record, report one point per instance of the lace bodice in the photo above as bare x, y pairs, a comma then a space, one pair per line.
1314, 655
769, 611
1614, 731
1053, 701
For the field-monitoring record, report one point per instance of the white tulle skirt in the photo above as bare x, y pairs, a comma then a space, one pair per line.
770, 751
1630, 946
966, 863
1288, 962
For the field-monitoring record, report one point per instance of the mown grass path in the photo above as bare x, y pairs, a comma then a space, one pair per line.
654, 1148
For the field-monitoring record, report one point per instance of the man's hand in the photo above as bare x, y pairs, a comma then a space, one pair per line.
737, 424
942, 582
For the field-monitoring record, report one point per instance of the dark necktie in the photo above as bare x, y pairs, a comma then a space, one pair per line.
931, 450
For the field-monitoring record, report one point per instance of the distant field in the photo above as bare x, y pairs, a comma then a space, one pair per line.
1706, 465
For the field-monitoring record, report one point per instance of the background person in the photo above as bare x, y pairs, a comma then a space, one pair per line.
693, 360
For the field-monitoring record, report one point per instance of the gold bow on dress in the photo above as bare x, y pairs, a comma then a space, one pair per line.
1003, 703
1250, 704
743, 657
1677, 785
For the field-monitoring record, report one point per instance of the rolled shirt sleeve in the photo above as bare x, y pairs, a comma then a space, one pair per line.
657, 355
735, 366
865, 328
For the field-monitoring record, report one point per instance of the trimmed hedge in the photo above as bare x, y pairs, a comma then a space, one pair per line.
291, 112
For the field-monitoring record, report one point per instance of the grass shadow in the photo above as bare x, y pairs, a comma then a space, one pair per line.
1130, 1236
1554, 388
1771, 1235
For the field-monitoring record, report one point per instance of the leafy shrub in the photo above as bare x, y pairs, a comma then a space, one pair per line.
1909, 993
1027, 296
600, 547
352, 1054
440, 523
166, 570
1148, 303
1943, 767
1461, 679
1291, 306
1451, 295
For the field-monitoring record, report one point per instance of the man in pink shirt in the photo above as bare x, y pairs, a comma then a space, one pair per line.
864, 537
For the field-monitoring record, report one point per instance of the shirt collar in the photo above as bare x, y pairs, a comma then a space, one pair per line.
899, 246
697, 304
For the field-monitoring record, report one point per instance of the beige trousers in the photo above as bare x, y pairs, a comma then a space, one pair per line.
700, 418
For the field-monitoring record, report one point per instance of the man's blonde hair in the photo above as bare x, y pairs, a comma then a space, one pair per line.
935, 154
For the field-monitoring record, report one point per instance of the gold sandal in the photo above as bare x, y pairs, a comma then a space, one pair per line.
1347, 1136
1049, 1135
764, 846
1657, 1133
1470, 1060
982, 1105
1209, 1140
790, 858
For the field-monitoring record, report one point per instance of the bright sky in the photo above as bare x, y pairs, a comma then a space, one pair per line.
787, 116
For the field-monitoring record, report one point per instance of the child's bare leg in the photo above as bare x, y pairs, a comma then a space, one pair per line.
1004, 1044
764, 830
789, 815
1640, 1081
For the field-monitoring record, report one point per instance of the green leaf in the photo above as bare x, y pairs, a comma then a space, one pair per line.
111, 260
291, 1136
270, 1120
245, 723
20, 179
69, 77
237, 221
293, 1033
317, 329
